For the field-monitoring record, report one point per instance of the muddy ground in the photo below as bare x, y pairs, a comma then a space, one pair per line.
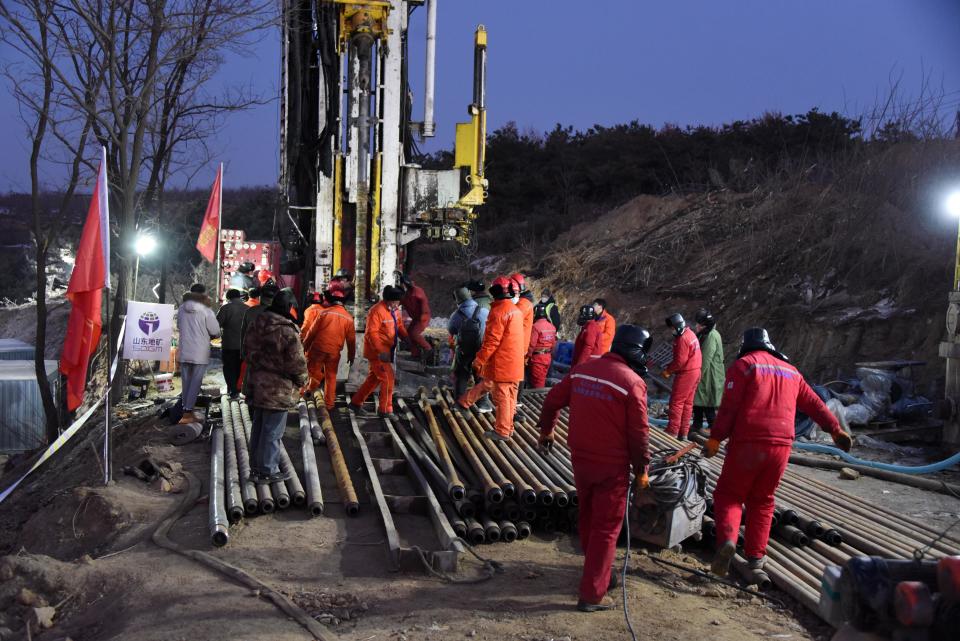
85, 549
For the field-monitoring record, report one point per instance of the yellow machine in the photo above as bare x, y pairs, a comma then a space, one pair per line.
353, 196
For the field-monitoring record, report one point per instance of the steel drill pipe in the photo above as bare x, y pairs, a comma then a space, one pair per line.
752, 576
455, 486
458, 524
438, 480
294, 487
492, 491
479, 447
308, 455
468, 421
508, 532
234, 497
316, 430
280, 495
812, 527
465, 508
491, 531
347, 494
248, 490
475, 533
550, 462
418, 419
831, 537
564, 491
514, 453
523, 530
495, 511
265, 499
792, 535
512, 511
219, 525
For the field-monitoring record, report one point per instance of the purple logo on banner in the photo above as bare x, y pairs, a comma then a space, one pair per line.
149, 323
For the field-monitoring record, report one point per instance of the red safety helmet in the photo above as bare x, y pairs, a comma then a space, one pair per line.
335, 289
521, 282
264, 276
503, 287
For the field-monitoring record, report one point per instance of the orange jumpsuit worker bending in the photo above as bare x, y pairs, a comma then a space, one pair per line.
499, 363
325, 330
379, 346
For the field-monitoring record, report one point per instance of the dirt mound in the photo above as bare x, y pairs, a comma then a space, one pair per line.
79, 522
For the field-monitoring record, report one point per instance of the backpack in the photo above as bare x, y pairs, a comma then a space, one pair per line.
469, 336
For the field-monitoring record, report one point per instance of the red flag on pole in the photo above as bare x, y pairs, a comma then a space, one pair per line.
210, 228
91, 273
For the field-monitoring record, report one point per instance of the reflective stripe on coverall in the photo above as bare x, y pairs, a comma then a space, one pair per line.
685, 367
540, 353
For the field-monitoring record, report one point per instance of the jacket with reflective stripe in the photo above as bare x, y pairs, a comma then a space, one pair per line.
501, 354
760, 400
326, 329
608, 412
686, 352
380, 336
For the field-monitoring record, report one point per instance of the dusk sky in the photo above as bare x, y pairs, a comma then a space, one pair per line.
610, 61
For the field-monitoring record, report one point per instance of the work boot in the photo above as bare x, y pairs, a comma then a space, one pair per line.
362, 412
389, 415
722, 559
276, 477
493, 435
484, 406
757, 563
606, 603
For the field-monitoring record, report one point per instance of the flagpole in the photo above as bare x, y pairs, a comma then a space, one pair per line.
219, 228
107, 464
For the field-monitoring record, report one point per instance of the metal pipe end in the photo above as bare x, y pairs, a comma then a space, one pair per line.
832, 537
492, 534
528, 515
789, 517
352, 508
508, 533
495, 512
299, 498
466, 509
460, 529
509, 491
548, 526
283, 502
457, 492
267, 506
495, 495
513, 513
236, 514
545, 497
316, 509
475, 536
251, 506
528, 497
220, 537
574, 501
523, 530
561, 499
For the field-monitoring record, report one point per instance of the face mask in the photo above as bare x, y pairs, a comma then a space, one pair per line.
515, 299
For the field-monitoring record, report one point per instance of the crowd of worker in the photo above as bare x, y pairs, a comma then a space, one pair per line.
501, 338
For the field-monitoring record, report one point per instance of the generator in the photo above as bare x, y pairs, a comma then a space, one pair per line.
671, 509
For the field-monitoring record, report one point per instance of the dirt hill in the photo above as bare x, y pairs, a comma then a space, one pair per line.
841, 268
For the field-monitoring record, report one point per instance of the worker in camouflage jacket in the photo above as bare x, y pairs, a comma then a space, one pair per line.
277, 370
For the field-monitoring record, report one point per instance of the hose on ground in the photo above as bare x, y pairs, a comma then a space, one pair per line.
890, 467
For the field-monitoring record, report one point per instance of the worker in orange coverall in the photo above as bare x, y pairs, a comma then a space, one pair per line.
761, 396
326, 328
380, 340
607, 322
685, 368
414, 301
608, 431
543, 338
590, 338
499, 363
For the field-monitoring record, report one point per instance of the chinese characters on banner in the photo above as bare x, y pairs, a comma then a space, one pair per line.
149, 331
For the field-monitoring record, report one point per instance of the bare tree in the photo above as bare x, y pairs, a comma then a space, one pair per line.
128, 76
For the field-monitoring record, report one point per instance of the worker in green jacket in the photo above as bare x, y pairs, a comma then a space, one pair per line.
710, 390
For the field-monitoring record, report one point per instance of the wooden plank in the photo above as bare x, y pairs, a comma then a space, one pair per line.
390, 465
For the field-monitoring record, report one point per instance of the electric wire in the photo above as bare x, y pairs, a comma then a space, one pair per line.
626, 561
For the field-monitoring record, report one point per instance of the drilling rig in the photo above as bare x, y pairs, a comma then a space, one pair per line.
352, 196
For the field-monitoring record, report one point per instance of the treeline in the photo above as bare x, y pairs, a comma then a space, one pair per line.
540, 184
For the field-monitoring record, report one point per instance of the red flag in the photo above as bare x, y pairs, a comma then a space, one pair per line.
210, 228
85, 292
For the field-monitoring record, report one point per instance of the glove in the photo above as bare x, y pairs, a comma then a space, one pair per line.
545, 443
842, 440
711, 447
384, 357
666, 373
643, 482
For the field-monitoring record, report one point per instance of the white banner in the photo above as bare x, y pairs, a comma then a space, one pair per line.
149, 331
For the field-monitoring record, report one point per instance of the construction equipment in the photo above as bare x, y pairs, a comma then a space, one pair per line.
670, 510
352, 196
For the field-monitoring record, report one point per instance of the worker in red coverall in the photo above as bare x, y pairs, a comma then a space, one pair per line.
761, 396
326, 329
499, 363
543, 338
608, 431
607, 322
590, 339
415, 302
380, 339
685, 368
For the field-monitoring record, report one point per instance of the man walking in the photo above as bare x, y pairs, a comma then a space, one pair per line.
230, 318
608, 432
414, 302
380, 339
326, 329
197, 325
499, 363
760, 400
685, 367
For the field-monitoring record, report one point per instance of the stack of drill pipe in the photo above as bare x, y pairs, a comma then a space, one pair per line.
219, 525
311, 474
265, 499
293, 485
248, 490
837, 525
315, 429
347, 494
234, 497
